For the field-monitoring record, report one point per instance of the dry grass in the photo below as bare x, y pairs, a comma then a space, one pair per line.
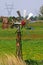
11, 60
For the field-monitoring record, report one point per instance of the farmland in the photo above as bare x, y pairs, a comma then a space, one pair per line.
32, 49
32, 41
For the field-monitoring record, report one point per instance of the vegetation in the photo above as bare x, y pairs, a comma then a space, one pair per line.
41, 10
10, 60
32, 42
31, 49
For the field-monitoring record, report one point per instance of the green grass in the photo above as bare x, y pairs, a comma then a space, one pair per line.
31, 49
37, 29
32, 41
11, 33
7, 46
7, 32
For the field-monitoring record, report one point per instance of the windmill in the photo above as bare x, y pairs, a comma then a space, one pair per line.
21, 19
20, 24
24, 18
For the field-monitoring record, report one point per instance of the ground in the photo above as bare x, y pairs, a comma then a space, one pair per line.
32, 42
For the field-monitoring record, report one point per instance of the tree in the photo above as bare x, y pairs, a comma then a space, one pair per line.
40, 17
1, 20
10, 19
41, 10
33, 18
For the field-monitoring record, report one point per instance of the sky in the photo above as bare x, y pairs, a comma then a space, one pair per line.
31, 6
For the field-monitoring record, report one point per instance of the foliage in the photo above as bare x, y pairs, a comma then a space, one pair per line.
32, 43
40, 16
1, 20
34, 18
31, 49
41, 10
10, 19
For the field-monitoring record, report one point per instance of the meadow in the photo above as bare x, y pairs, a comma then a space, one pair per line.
32, 41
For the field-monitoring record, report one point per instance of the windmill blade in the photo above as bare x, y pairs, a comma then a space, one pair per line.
29, 16
18, 12
20, 17
24, 13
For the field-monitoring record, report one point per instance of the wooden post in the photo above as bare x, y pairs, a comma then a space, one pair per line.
18, 44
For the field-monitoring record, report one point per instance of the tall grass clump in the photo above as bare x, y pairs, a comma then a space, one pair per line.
11, 60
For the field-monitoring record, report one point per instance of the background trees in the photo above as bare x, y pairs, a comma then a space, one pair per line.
41, 10
40, 16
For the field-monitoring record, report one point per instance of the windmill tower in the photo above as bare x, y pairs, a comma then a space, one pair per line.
9, 8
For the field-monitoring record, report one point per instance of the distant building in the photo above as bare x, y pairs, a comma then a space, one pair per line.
5, 22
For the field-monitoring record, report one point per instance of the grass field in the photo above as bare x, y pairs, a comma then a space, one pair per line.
32, 49
32, 42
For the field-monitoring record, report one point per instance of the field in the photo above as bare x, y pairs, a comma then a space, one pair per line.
32, 42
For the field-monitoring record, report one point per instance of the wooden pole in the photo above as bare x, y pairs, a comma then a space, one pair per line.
18, 44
